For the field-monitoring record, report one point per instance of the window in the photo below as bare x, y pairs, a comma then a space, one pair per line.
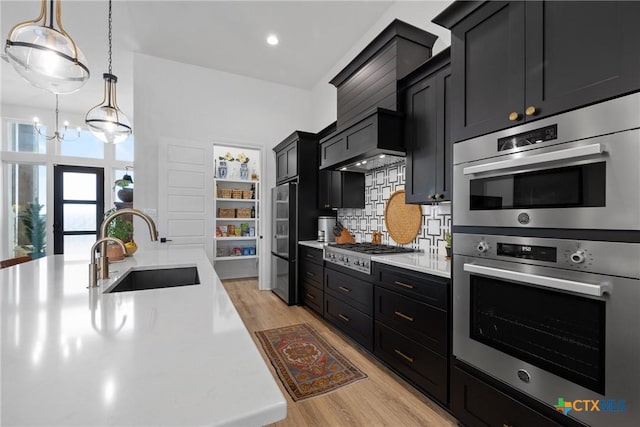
27, 209
23, 138
84, 146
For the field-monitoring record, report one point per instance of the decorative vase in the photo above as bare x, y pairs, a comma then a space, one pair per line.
222, 169
449, 250
126, 195
244, 171
114, 253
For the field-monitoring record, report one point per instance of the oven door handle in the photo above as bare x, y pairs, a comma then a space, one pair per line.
547, 282
552, 156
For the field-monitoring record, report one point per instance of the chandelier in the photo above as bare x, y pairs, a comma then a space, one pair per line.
57, 135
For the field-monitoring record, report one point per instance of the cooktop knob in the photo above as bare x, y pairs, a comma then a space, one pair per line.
482, 247
346, 259
577, 257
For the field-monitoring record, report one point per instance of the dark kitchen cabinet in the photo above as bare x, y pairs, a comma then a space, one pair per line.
311, 276
427, 139
519, 61
298, 149
349, 304
413, 327
338, 189
477, 403
287, 162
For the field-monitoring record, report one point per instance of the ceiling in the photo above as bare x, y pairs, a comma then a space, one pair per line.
224, 35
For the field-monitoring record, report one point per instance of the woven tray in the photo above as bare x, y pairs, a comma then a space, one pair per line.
403, 221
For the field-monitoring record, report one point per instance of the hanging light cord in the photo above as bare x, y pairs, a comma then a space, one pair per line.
110, 26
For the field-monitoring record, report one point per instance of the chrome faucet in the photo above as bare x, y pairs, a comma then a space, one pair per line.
93, 266
104, 261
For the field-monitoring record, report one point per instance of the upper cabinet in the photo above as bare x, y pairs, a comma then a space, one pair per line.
338, 189
505, 70
287, 162
427, 139
291, 152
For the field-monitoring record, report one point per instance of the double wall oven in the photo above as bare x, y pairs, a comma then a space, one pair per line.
546, 263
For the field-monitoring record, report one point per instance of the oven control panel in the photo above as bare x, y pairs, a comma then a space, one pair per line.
613, 258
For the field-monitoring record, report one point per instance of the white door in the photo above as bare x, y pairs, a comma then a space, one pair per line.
185, 184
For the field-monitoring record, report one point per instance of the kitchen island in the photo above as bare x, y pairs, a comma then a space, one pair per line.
171, 356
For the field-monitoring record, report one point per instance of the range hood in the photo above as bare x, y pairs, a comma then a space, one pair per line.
374, 141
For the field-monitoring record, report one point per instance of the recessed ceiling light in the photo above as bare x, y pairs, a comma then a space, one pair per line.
272, 39
358, 164
381, 156
343, 169
364, 162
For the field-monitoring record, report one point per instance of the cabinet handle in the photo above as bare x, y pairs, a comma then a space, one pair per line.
514, 116
343, 317
404, 356
345, 290
404, 285
327, 206
507, 425
310, 296
404, 316
310, 274
438, 196
531, 111
310, 256
431, 196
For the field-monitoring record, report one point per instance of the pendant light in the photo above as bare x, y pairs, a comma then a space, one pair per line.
47, 57
57, 135
106, 122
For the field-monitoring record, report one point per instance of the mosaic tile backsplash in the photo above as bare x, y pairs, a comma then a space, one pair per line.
379, 185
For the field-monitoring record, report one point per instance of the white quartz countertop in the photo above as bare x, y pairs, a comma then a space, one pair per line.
312, 244
436, 265
172, 356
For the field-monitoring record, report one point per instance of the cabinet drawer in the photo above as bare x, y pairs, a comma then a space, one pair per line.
355, 292
477, 404
310, 254
310, 272
431, 289
420, 365
418, 321
313, 297
353, 322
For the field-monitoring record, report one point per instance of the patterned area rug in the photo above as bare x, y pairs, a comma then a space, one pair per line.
306, 364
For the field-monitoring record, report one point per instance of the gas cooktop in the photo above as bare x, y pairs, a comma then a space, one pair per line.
357, 256
372, 248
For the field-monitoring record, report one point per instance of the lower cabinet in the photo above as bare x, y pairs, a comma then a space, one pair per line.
478, 404
310, 277
412, 327
348, 304
420, 365
352, 321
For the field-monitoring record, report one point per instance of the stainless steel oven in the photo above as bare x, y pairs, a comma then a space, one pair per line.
576, 170
553, 318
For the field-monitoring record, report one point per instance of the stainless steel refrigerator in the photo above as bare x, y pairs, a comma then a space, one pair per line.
285, 240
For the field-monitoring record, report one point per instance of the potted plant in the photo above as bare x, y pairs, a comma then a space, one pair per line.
447, 244
35, 228
120, 228
125, 193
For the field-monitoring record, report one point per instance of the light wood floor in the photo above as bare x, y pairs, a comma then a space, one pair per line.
381, 400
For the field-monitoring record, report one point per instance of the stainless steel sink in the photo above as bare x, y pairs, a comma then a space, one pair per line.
139, 280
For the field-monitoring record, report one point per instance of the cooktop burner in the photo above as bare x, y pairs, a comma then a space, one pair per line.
372, 248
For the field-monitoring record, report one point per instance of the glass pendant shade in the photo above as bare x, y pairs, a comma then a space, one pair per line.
46, 57
106, 122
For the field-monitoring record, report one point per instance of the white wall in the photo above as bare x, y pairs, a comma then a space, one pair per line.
417, 13
203, 106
